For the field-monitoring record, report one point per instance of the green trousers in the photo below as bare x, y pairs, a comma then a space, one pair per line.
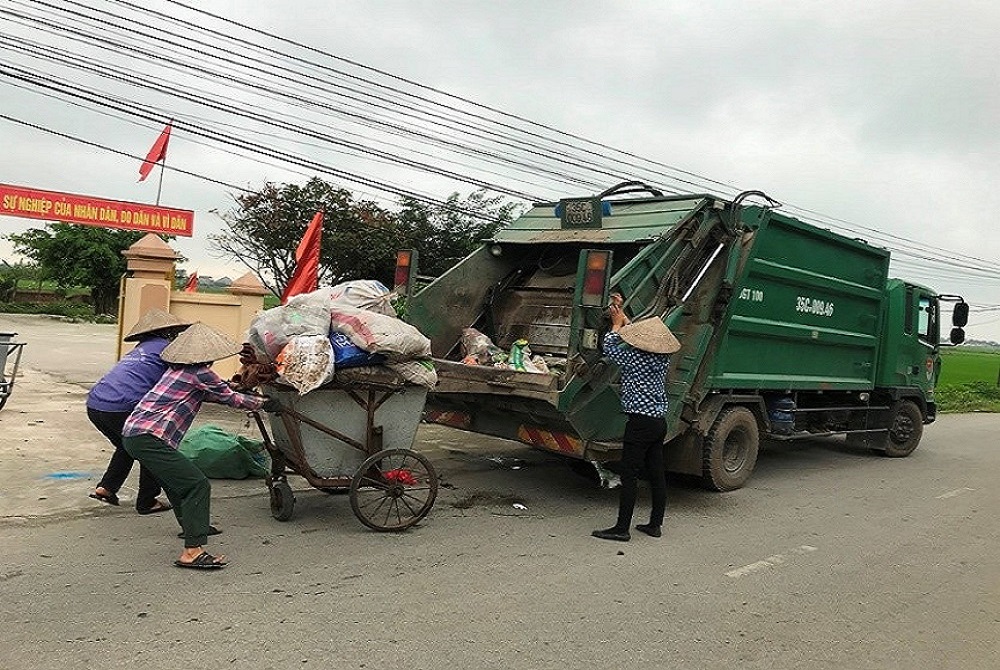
186, 486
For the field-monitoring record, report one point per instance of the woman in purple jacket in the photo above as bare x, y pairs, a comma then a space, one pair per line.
116, 394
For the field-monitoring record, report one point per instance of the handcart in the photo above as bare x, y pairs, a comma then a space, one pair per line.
9, 350
368, 454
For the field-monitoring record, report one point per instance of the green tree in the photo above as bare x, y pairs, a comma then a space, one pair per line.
360, 239
80, 256
12, 276
444, 234
265, 227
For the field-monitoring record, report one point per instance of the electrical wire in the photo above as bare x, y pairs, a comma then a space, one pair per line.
902, 247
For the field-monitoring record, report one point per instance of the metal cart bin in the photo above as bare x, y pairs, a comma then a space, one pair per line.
353, 435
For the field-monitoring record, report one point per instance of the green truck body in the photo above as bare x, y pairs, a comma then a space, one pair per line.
787, 331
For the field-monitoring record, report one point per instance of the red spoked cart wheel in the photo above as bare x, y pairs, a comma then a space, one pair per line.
393, 490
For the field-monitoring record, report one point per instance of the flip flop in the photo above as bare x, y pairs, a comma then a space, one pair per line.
109, 498
212, 530
156, 508
203, 561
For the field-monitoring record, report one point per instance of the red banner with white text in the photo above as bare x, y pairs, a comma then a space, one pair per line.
33, 203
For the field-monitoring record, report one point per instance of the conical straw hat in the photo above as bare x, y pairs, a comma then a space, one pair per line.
650, 335
152, 321
199, 344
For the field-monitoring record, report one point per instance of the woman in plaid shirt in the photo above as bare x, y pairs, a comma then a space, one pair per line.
158, 423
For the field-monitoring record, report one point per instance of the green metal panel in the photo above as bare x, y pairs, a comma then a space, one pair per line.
627, 222
454, 300
653, 281
684, 368
805, 313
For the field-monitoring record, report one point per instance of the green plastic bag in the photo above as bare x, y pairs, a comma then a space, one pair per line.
222, 455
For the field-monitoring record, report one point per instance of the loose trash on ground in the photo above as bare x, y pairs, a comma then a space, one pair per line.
508, 462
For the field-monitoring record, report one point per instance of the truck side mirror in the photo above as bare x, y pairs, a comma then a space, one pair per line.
960, 315
957, 335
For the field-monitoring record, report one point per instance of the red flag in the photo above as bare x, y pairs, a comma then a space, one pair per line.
306, 275
157, 153
192, 283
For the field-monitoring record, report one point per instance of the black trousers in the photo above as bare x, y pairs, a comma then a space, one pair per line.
111, 424
642, 453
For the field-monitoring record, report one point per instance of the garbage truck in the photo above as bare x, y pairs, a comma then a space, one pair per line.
788, 330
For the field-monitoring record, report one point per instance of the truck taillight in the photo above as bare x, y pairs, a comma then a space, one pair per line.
405, 262
595, 278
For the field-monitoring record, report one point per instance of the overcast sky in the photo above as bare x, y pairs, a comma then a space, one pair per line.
880, 114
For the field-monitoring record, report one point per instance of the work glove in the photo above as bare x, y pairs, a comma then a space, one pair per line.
272, 405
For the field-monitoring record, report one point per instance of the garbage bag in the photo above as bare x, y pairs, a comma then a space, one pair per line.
367, 294
521, 359
380, 334
306, 362
420, 372
272, 329
346, 354
222, 455
478, 349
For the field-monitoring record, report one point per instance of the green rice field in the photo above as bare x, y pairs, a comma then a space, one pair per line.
968, 381
960, 366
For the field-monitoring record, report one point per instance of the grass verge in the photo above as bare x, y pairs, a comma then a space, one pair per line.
71, 310
978, 396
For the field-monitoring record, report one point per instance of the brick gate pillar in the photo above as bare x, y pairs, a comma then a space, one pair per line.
148, 284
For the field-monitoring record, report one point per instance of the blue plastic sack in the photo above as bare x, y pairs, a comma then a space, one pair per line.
346, 354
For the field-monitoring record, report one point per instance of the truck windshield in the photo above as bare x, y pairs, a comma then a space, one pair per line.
927, 320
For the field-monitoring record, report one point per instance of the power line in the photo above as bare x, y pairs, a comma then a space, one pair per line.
187, 40
104, 147
906, 247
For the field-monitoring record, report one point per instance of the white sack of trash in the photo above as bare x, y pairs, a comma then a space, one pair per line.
348, 325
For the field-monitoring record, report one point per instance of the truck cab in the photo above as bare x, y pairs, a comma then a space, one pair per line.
909, 359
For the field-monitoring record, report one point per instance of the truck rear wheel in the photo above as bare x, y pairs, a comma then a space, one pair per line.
906, 430
730, 451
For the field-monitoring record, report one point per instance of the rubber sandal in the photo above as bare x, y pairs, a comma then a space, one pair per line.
212, 530
203, 561
108, 498
156, 509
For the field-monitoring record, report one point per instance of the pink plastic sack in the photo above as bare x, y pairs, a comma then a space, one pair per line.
380, 334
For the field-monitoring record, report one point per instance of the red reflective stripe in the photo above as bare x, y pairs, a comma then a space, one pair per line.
550, 440
456, 419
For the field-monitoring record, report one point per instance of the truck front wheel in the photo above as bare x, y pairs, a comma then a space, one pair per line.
906, 430
730, 451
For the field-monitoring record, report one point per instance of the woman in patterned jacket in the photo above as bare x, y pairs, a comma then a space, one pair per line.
642, 351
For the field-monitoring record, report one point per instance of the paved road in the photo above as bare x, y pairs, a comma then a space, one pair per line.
829, 558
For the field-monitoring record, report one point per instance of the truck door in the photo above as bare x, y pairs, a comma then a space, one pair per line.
922, 328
